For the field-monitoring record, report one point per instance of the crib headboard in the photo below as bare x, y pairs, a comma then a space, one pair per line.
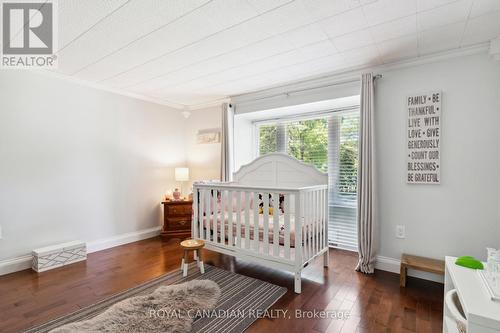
279, 170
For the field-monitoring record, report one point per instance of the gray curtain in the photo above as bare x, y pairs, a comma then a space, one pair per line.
366, 179
227, 140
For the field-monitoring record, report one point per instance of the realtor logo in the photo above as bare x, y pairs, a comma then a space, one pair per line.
28, 34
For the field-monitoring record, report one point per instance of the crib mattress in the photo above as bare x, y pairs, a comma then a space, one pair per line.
271, 228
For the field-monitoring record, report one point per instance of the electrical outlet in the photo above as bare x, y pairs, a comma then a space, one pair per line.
400, 231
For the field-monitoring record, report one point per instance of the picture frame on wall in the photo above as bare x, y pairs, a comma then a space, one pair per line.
208, 136
423, 144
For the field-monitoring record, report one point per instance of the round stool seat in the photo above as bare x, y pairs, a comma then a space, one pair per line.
192, 244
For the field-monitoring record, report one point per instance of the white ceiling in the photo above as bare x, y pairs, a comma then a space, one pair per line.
192, 52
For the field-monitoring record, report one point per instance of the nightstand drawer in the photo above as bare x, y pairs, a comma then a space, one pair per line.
177, 219
179, 223
179, 210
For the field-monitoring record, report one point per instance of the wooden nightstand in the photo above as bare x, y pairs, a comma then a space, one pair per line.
177, 219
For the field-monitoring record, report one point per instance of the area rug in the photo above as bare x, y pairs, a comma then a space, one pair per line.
241, 301
140, 313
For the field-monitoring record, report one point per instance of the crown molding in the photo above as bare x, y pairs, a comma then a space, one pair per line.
102, 87
435, 57
217, 102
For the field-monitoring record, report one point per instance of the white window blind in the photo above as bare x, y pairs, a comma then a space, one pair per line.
343, 137
329, 142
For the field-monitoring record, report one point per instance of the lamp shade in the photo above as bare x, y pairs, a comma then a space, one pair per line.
181, 174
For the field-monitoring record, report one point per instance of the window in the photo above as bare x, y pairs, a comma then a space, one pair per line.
330, 143
308, 141
268, 139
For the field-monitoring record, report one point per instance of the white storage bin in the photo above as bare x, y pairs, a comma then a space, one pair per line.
455, 316
58, 255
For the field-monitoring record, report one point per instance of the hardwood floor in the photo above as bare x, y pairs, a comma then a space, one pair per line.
376, 303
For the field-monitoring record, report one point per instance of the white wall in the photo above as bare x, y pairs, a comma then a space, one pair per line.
79, 163
461, 216
203, 160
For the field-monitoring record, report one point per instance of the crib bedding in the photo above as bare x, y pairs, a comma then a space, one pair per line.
251, 227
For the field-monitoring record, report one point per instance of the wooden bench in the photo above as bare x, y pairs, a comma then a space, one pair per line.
419, 263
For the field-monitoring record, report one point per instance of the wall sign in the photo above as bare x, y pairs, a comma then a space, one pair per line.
211, 135
423, 138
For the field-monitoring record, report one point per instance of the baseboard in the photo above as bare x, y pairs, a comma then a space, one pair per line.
387, 264
24, 262
106, 243
393, 265
15, 264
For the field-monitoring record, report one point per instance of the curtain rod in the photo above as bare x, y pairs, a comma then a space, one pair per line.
307, 115
288, 93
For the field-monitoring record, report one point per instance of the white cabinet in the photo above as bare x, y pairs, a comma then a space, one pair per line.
482, 314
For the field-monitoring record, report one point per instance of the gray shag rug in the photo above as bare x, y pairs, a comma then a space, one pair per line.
239, 294
140, 313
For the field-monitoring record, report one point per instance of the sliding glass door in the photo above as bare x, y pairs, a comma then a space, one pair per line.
329, 142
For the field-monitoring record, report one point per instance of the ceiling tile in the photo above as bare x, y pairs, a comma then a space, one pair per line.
150, 48
319, 9
216, 45
295, 71
353, 40
429, 4
363, 56
76, 17
288, 17
318, 50
181, 33
398, 49
243, 57
344, 23
308, 34
254, 68
482, 28
263, 6
386, 10
133, 21
394, 29
285, 74
234, 38
440, 39
481, 7
447, 14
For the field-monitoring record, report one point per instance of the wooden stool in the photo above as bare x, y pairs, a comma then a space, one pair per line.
419, 263
192, 245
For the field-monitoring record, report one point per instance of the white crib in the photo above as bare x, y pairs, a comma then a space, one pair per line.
232, 219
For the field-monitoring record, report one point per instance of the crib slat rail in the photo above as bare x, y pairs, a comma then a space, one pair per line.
238, 219
286, 228
223, 213
256, 240
246, 204
276, 225
230, 236
265, 198
286, 204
